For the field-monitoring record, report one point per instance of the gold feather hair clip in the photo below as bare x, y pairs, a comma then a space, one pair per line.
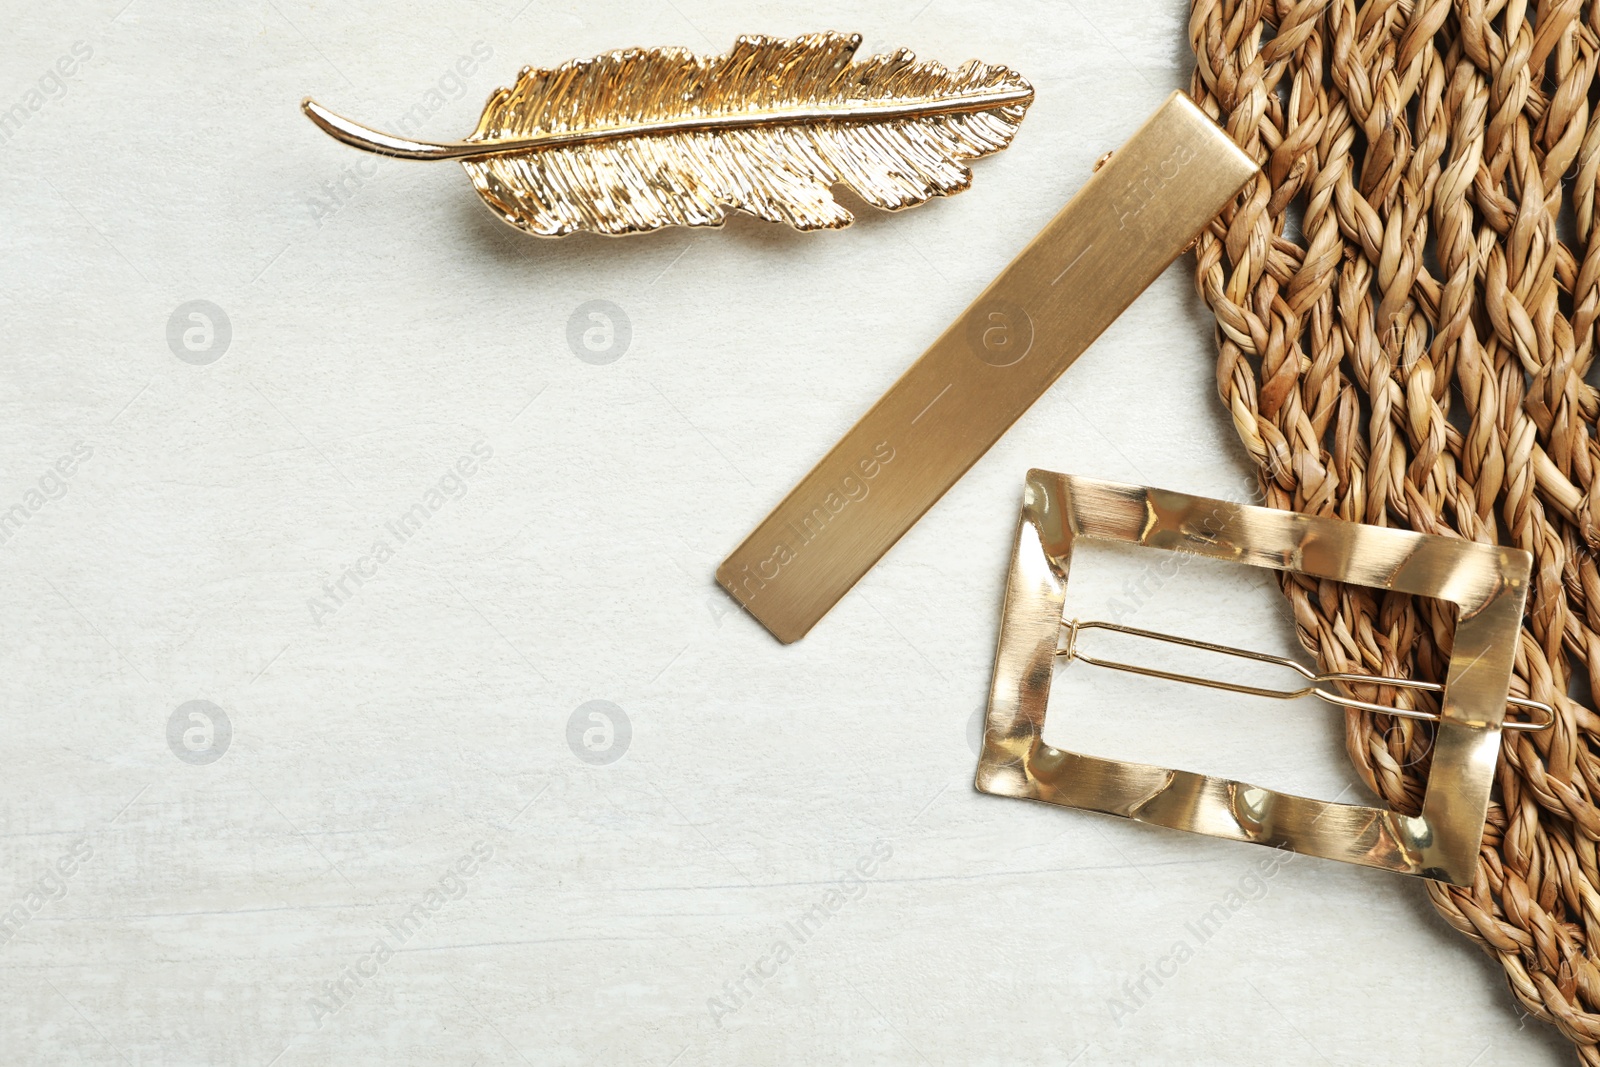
635, 140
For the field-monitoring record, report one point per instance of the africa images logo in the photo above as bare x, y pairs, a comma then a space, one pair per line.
338, 992
850, 490
849, 885
451, 486
51, 485
51, 85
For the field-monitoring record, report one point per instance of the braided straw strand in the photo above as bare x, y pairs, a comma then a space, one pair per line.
1406, 304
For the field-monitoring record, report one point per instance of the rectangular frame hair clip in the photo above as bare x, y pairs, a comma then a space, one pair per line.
1136, 214
1487, 583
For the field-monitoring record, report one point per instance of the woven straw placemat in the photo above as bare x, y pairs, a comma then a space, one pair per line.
1406, 305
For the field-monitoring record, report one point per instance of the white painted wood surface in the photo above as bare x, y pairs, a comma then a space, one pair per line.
398, 856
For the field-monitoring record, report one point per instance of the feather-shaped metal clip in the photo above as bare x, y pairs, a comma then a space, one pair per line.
636, 140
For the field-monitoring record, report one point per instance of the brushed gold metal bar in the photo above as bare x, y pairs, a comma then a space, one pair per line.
1133, 217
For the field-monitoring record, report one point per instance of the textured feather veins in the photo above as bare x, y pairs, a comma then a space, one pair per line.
637, 140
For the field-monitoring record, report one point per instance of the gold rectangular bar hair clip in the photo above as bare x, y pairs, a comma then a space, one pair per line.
1487, 583
1136, 214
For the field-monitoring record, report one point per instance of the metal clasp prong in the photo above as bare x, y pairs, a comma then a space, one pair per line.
1070, 651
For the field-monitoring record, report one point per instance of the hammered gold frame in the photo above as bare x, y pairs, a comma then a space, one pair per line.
1488, 584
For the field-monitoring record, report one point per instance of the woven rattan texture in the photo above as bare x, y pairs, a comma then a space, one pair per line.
1406, 303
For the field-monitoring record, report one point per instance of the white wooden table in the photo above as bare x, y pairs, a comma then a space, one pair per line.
396, 830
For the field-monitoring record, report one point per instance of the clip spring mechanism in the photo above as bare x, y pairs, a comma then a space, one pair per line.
1070, 652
